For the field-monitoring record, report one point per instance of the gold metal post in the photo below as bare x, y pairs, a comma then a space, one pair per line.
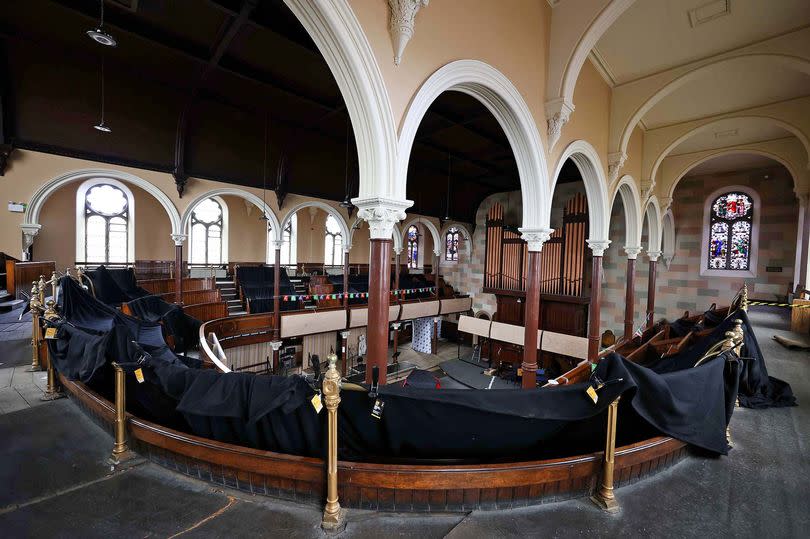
744, 301
604, 497
54, 280
333, 516
120, 452
36, 311
52, 390
41, 285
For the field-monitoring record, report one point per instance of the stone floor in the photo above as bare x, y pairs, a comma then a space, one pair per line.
57, 484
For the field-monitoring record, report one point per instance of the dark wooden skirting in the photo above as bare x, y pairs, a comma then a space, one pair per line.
384, 487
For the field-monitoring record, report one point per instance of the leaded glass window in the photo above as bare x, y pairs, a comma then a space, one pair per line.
289, 237
451, 244
207, 224
730, 228
333, 243
106, 218
413, 246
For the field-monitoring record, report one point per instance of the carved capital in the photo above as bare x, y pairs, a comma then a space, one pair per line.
276, 345
535, 237
29, 232
653, 255
558, 111
615, 164
179, 239
397, 251
277, 244
381, 214
401, 22
598, 246
345, 334
647, 187
632, 252
664, 203
180, 180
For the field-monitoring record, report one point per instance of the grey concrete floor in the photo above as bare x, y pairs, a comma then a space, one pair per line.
57, 484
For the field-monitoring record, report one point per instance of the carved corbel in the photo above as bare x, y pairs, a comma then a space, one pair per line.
180, 180
558, 111
401, 22
616, 162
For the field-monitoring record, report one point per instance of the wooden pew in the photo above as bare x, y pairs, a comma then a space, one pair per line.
162, 286
207, 311
192, 297
20, 275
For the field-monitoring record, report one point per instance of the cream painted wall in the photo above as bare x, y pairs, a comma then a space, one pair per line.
635, 153
590, 120
511, 36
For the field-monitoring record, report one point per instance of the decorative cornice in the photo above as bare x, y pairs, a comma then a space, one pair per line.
632, 252
535, 237
598, 246
401, 22
653, 255
616, 162
179, 239
558, 111
381, 214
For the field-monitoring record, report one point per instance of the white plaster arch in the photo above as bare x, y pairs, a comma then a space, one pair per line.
31, 225
794, 62
396, 236
468, 243
603, 21
331, 210
728, 151
337, 33
434, 232
596, 186
631, 202
708, 125
497, 93
668, 237
233, 191
652, 217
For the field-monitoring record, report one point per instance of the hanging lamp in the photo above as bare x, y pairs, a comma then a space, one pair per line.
101, 126
99, 35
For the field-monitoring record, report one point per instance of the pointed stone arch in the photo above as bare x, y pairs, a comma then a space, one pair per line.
330, 210
468, 243
434, 232
232, 191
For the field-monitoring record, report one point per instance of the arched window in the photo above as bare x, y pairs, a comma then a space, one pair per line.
105, 222
333, 243
729, 246
207, 228
451, 244
289, 238
413, 246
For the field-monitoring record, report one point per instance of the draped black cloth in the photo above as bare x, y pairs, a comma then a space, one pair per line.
115, 286
462, 424
756, 388
182, 327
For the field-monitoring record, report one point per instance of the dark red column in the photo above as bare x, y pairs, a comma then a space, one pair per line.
277, 295
594, 309
434, 340
630, 298
344, 352
651, 289
346, 282
531, 321
379, 288
178, 273
436, 272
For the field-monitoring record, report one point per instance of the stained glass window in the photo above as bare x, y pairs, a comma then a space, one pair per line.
333, 243
451, 244
106, 214
207, 224
730, 232
413, 246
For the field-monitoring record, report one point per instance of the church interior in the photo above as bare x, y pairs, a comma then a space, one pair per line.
437, 269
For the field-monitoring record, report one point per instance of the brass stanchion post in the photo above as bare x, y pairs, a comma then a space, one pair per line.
333, 516
36, 311
120, 452
604, 497
52, 391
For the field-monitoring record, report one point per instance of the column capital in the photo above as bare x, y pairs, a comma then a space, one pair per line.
558, 111
535, 237
397, 252
598, 246
381, 214
653, 255
396, 325
277, 244
632, 252
615, 164
276, 345
179, 239
345, 334
437, 252
347, 248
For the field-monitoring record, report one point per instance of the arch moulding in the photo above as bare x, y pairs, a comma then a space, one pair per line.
434, 232
331, 210
631, 202
231, 191
497, 93
468, 243
31, 226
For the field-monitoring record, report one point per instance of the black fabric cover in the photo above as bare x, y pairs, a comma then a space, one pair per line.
462, 424
756, 388
182, 327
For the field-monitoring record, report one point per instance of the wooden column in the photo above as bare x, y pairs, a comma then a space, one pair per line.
178, 271
531, 320
436, 272
434, 340
345, 282
344, 352
630, 294
277, 295
594, 309
379, 289
651, 287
